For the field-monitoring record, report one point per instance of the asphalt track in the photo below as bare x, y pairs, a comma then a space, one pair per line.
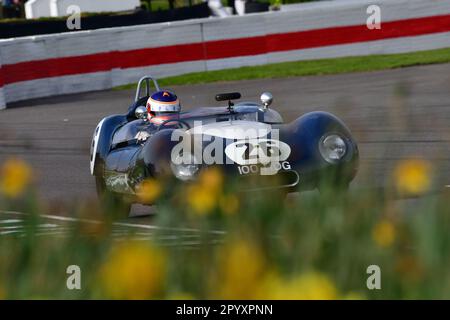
59, 226
394, 114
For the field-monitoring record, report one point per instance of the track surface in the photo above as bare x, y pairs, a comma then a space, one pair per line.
14, 223
394, 114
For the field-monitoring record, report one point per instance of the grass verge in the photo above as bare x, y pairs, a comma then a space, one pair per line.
314, 246
310, 68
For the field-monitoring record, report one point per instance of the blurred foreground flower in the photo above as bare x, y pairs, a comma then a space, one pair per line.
229, 204
180, 296
409, 268
384, 233
353, 296
203, 195
92, 222
133, 271
149, 190
307, 286
241, 269
212, 179
95, 230
15, 177
413, 177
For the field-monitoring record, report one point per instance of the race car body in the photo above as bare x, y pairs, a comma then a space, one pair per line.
248, 141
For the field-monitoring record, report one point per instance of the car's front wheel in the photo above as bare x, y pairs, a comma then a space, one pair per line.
113, 204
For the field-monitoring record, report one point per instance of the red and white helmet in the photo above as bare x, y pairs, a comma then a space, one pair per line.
163, 101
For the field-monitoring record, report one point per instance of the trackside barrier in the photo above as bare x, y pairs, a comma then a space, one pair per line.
47, 65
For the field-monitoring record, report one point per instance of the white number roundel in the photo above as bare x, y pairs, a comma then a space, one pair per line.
257, 151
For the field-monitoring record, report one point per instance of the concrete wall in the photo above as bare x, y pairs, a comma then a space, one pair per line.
100, 59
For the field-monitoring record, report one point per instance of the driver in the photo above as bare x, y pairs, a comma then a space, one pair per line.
162, 105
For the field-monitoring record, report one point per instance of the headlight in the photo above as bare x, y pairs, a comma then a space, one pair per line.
185, 168
332, 148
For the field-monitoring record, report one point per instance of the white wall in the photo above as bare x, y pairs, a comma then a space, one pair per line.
100, 59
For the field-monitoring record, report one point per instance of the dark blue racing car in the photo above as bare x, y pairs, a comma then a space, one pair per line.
248, 140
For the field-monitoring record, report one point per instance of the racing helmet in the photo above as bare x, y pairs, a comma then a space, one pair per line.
163, 102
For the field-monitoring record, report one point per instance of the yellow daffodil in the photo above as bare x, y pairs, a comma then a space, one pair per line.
149, 191
229, 204
354, 296
413, 177
307, 286
200, 201
203, 196
133, 271
241, 268
384, 233
180, 296
15, 177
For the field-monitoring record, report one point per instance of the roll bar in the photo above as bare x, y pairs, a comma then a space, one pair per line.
145, 79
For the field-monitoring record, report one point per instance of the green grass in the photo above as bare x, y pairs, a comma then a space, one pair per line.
310, 68
314, 246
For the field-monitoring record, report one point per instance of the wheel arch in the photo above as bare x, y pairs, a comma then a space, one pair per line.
101, 140
304, 133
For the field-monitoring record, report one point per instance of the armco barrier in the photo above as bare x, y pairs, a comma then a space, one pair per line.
99, 59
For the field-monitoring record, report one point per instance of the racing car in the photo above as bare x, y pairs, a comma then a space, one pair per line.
247, 140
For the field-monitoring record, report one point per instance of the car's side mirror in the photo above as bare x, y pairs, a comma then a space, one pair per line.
141, 112
266, 99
